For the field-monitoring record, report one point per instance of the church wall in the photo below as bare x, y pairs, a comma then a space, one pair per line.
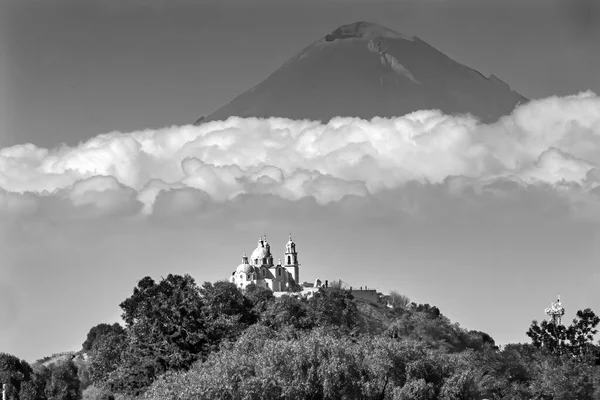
269, 282
275, 284
294, 273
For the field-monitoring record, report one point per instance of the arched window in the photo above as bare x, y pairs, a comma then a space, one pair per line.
256, 261
289, 259
267, 283
279, 271
248, 276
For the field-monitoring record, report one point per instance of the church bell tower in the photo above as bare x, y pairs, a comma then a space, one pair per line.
291, 260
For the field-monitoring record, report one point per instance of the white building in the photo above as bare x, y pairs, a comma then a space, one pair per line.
260, 270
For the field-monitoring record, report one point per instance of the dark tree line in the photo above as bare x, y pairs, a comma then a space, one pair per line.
56, 382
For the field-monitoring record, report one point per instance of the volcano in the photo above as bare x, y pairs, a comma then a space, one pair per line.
367, 70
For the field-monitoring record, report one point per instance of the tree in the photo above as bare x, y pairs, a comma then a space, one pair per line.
64, 383
564, 377
398, 301
431, 311
35, 388
334, 307
13, 372
94, 393
576, 339
28, 391
226, 312
479, 341
548, 336
316, 364
98, 331
165, 331
139, 304
107, 354
415, 390
259, 298
167, 317
581, 334
460, 386
83, 374
287, 313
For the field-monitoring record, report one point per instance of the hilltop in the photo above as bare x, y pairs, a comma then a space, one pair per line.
366, 70
211, 341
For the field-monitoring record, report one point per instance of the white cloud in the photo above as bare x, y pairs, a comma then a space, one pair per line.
220, 182
101, 196
554, 165
147, 195
554, 142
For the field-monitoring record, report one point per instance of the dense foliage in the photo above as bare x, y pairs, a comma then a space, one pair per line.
575, 340
184, 341
56, 382
318, 364
97, 332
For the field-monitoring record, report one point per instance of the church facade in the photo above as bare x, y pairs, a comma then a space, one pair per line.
260, 270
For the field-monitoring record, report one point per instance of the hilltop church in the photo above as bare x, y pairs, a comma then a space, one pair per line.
260, 270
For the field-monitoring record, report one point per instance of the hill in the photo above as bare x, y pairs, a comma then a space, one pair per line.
211, 341
366, 70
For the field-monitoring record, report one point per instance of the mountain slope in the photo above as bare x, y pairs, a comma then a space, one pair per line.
366, 70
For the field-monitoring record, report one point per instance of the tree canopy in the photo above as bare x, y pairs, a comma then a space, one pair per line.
575, 340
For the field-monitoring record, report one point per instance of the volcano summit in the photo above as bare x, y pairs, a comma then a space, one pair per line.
367, 70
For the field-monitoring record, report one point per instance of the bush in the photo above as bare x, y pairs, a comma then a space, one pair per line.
94, 393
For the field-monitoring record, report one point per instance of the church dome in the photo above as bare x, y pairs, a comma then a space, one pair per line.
260, 253
244, 269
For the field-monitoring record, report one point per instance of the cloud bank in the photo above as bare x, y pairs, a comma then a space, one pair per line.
547, 149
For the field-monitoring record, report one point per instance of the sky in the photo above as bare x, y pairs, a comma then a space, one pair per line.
105, 183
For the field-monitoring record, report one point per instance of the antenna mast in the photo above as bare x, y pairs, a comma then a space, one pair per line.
555, 312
